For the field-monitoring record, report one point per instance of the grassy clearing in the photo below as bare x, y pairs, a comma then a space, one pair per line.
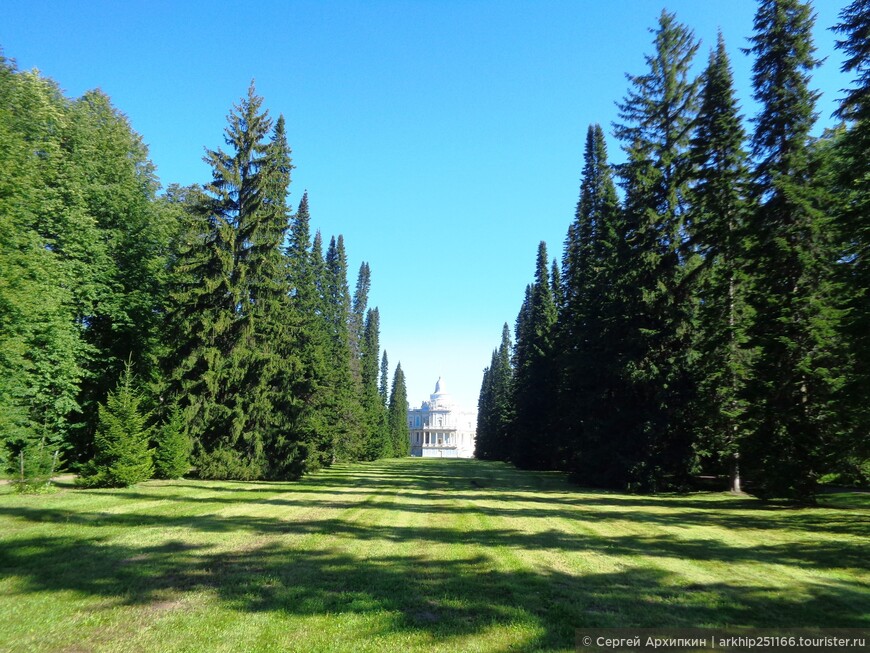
412, 554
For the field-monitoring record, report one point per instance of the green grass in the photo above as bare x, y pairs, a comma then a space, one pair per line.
412, 554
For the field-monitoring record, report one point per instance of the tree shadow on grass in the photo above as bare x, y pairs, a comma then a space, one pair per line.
819, 554
441, 595
445, 598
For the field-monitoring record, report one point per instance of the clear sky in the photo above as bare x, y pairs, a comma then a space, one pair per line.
443, 138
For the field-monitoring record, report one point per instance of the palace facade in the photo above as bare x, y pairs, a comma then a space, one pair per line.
441, 429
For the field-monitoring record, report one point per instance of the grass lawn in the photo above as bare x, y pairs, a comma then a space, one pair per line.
405, 555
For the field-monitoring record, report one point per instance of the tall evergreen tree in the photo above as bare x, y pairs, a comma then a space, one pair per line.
377, 445
586, 357
383, 386
533, 400
718, 231
793, 376
304, 386
854, 226
657, 116
346, 413
493, 439
358, 318
399, 431
232, 306
484, 436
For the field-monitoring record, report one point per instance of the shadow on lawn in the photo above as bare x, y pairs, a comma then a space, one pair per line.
445, 598
454, 596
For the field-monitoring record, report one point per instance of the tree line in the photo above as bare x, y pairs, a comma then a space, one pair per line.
144, 331
711, 313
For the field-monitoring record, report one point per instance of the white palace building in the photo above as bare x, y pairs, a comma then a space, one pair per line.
441, 429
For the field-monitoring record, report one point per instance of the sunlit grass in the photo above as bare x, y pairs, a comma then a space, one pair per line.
407, 555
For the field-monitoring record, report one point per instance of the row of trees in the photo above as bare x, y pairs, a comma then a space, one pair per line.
214, 307
714, 315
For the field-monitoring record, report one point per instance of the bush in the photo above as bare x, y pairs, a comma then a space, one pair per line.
223, 464
33, 467
122, 457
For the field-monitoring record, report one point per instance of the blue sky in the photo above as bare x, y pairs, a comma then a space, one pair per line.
442, 138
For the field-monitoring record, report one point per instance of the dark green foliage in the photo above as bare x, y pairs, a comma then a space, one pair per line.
588, 339
214, 295
377, 444
238, 359
224, 463
531, 441
495, 406
397, 422
122, 456
302, 387
344, 413
852, 187
718, 228
657, 117
384, 384
719, 319
794, 373
173, 446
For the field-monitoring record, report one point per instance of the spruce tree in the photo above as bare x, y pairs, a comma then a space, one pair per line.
231, 306
399, 431
122, 456
587, 355
484, 435
493, 440
793, 376
657, 116
376, 442
305, 385
172, 446
719, 215
502, 397
345, 410
533, 398
384, 384
854, 230
358, 318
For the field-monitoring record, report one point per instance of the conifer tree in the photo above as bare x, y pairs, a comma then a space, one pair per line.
793, 375
121, 453
484, 433
384, 385
502, 397
173, 446
854, 228
398, 416
533, 403
305, 385
231, 306
345, 410
657, 117
358, 318
377, 445
718, 230
587, 356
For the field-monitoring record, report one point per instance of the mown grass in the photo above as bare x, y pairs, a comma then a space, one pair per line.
406, 555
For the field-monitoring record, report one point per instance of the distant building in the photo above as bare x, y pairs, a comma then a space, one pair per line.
441, 429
